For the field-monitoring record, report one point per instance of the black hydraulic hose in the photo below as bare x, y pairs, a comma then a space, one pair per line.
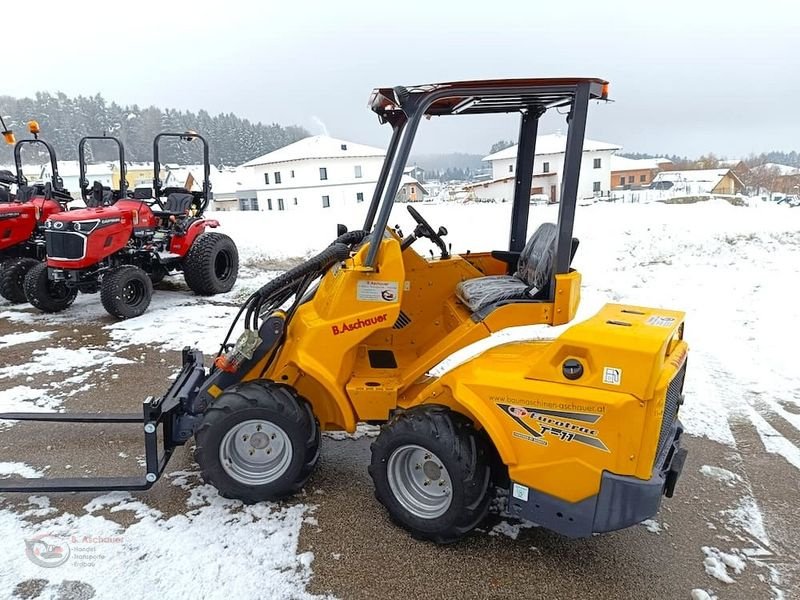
351, 237
332, 254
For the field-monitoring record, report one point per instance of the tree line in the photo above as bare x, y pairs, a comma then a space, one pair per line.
64, 120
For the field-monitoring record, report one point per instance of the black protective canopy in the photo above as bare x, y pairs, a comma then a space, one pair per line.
403, 108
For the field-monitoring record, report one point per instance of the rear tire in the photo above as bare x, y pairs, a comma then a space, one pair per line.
12, 279
275, 465
46, 295
211, 265
126, 292
435, 445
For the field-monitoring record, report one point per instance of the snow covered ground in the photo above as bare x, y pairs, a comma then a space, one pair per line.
734, 270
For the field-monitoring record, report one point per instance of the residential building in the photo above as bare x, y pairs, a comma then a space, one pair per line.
411, 190
315, 172
547, 170
699, 181
631, 173
69, 171
137, 174
234, 189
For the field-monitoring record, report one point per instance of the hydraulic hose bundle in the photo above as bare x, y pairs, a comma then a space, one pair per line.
277, 292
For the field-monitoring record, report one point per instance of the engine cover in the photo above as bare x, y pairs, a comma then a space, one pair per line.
81, 238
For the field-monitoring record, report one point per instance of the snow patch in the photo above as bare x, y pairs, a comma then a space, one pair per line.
62, 360
717, 564
362, 430
698, 594
18, 468
26, 337
729, 478
652, 526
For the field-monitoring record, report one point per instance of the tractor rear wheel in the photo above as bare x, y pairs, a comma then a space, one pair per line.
211, 265
432, 473
48, 296
126, 291
12, 279
259, 440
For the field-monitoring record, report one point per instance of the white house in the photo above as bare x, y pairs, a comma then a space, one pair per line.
234, 189
548, 165
316, 172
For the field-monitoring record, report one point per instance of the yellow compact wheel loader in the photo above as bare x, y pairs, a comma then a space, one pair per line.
582, 430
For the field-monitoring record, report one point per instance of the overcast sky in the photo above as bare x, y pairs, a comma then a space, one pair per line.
687, 77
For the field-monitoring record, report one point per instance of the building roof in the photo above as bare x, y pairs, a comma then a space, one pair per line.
551, 143
409, 180
622, 163
318, 146
706, 179
784, 169
230, 181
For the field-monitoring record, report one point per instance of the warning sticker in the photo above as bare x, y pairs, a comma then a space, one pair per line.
377, 291
520, 492
612, 376
659, 321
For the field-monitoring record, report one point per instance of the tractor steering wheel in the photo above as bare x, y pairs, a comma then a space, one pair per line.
424, 229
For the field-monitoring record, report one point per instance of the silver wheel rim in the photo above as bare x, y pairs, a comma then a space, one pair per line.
255, 452
419, 481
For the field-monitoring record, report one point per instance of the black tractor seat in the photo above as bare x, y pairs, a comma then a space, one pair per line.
531, 280
101, 196
178, 205
5, 195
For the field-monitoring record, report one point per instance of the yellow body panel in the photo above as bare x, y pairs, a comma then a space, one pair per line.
363, 345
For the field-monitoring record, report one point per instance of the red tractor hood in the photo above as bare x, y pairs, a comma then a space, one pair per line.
17, 222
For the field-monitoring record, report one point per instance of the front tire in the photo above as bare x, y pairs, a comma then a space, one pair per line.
258, 441
432, 473
211, 265
48, 296
12, 279
126, 292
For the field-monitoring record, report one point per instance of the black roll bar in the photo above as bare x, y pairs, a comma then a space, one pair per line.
56, 180
83, 182
187, 136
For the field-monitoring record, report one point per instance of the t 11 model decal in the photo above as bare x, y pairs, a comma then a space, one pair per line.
566, 426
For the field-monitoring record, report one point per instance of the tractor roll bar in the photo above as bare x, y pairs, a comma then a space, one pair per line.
531, 98
187, 136
58, 184
83, 182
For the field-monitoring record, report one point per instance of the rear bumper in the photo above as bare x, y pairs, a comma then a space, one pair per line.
622, 501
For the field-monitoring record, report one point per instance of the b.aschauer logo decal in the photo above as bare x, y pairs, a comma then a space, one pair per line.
358, 324
566, 426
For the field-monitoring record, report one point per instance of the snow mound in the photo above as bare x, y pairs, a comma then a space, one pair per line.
25, 337
729, 478
717, 564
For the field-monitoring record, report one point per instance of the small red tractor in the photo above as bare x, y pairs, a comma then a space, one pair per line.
123, 243
22, 215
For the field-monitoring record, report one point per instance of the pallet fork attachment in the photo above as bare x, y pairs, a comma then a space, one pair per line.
173, 412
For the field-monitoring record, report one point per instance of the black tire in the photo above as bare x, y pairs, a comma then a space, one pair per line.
12, 279
261, 400
44, 294
126, 291
452, 439
211, 265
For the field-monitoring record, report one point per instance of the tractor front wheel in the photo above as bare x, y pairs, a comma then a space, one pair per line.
211, 265
126, 291
259, 440
48, 296
12, 279
432, 473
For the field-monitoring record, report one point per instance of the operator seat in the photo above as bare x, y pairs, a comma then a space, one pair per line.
101, 196
532, 277
5, 195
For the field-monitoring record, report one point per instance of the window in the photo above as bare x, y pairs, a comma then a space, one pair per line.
280, 204
253, 203
244, 204
360, 197
269, 203
596, 186
358, 171
546, 167
344, 146
277, 176
598, 163
266, 178
630, 178
326, 201
295, 200
510, 168
323, 173
292, 173
642, 178
622, 180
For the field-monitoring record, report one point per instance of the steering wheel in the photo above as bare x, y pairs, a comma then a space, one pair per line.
424, 229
